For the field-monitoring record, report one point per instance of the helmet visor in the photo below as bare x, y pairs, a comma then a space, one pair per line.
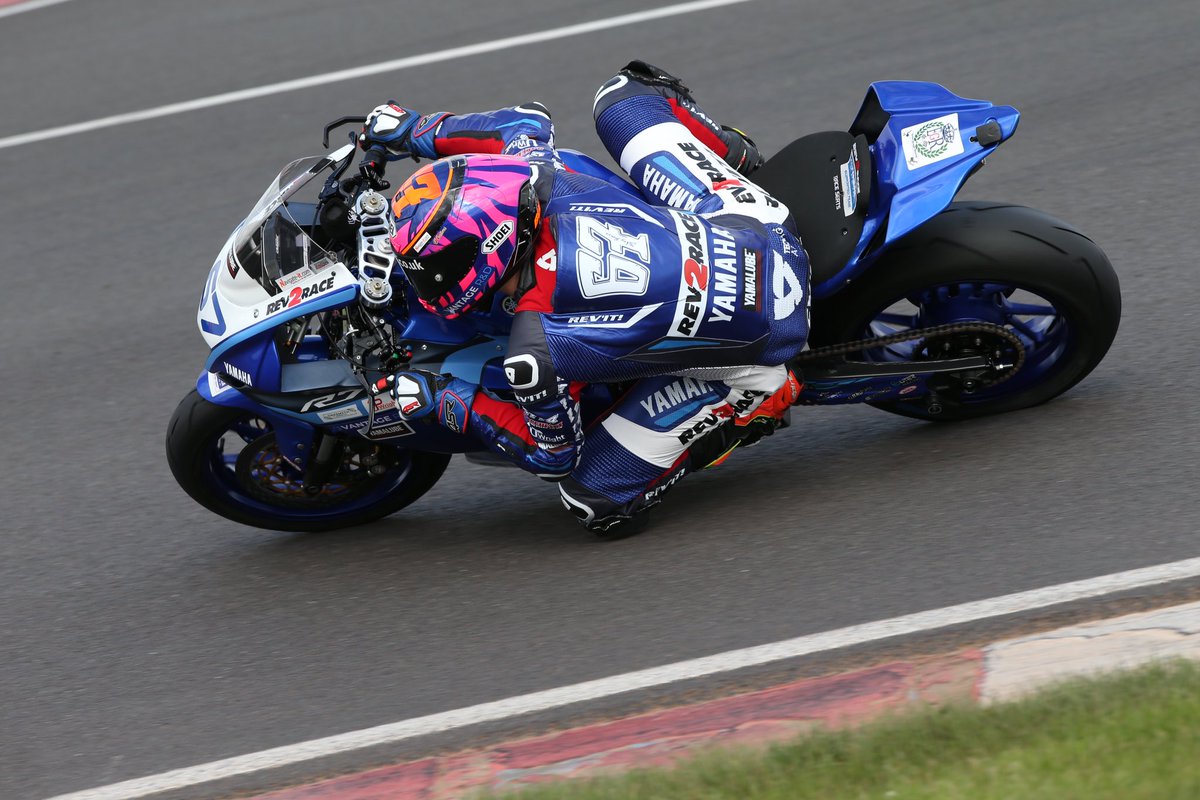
438, 273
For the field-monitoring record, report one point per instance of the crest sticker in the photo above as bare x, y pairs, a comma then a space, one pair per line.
931, 141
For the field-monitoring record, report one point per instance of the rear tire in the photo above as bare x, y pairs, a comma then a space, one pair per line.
979, 247
194, 453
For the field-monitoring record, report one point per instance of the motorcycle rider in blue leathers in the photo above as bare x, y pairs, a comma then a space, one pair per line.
698, 295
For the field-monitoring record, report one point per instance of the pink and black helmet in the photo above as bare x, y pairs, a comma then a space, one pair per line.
462, 224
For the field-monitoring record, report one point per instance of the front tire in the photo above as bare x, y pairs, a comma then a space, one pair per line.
254, 486
982, 261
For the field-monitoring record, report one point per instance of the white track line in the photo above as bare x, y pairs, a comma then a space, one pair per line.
643, 679
29, 5
50, 134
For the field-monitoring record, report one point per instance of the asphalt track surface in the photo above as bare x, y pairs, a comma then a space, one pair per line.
139, 633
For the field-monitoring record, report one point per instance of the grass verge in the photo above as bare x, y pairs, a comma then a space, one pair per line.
1131, 736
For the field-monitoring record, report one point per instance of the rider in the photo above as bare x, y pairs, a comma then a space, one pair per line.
699, 292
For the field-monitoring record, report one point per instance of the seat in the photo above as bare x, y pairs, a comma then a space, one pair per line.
825, 181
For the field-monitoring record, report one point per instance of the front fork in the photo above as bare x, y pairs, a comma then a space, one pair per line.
295, 439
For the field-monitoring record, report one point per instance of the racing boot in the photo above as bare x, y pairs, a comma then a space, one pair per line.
734, 146
771, 415
743, 153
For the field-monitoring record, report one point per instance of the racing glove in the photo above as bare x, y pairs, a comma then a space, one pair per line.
388, 127
384, 138
419, 393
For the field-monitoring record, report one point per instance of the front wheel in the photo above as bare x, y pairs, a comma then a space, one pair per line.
226, 460
1007, 265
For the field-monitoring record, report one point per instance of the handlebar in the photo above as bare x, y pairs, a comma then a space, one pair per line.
337, 123
374, 160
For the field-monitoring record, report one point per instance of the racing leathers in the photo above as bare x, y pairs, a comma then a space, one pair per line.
694, 292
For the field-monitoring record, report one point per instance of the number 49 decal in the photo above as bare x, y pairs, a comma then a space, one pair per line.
603, 261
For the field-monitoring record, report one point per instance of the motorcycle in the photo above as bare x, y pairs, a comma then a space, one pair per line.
921, 306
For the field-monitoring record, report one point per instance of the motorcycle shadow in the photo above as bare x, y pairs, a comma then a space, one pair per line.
829, 461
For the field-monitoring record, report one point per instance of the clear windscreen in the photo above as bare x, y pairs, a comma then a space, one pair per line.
272, 244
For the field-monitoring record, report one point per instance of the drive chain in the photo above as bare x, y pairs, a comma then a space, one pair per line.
834, 350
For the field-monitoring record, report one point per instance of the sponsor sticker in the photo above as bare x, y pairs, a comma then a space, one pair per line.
674, 394
461, 303
520, 144
299, 294
216, 386
851, 182
615, 319
693, 276
726, 272
751, 280
715, 172
670, 182
293, 278
596, 319
598, 208
237, 373
613, 208
931, 141
497, 237
718, 415
453, 413
663, 486
392, 431
338, 414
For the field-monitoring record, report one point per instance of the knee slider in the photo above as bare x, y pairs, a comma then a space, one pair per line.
586, 506
644, 72
638, 78
594, 511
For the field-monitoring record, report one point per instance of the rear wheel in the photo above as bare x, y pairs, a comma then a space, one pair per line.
227, 461
1007, 265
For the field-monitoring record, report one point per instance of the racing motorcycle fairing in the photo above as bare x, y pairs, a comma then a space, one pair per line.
926, 142
824, 179
268, 272
907, 154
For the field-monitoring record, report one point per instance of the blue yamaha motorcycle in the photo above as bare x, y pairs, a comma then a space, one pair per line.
921, 306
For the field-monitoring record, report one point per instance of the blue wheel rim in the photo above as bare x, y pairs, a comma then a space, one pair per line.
221, 460
1044, 330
